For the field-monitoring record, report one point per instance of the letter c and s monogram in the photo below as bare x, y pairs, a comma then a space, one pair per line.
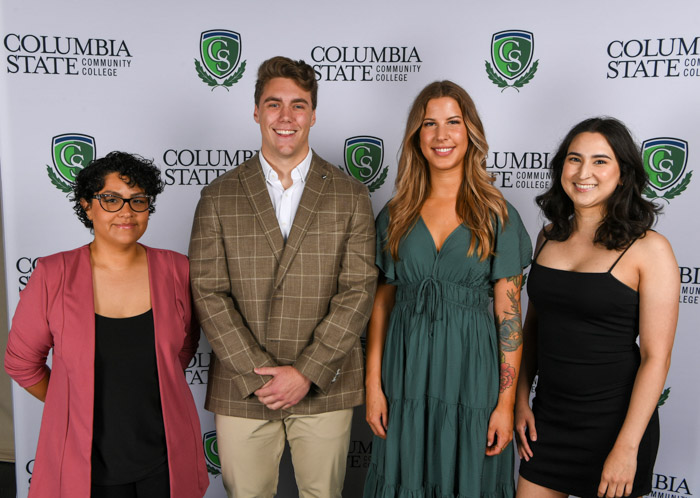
220, 55
75, 161
513, 55
362, 163
662, 167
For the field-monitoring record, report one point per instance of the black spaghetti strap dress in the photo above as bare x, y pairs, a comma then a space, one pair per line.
588, 358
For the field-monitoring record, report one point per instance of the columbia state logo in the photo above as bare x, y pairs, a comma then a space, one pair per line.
511, 54
363, 160
665, 160
211, 453
70, 153
220, 53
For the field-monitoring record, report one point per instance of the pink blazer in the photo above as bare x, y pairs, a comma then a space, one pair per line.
56, 310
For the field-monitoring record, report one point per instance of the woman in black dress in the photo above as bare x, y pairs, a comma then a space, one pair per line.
600, 279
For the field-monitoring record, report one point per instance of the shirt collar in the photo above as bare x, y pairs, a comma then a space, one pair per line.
299, 172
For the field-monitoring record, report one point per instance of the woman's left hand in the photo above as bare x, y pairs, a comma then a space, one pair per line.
618, 473
500, 432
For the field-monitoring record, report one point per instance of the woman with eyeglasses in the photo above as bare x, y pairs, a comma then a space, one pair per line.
119, 419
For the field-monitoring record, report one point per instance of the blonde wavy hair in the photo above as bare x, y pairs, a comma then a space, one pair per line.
479, 203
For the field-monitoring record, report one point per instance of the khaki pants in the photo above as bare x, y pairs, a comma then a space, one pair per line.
250, 451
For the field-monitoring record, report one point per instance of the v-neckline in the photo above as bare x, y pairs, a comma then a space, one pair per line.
432, 239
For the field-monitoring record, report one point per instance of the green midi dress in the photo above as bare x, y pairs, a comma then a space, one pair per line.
440, 370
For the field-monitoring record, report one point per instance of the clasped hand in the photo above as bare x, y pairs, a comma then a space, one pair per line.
287, 387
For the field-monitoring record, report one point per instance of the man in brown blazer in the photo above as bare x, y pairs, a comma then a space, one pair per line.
283, 277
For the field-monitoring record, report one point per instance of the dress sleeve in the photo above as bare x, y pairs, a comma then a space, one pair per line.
384, 261
513, 247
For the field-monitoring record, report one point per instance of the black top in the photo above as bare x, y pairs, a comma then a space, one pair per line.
128, 441
587, 330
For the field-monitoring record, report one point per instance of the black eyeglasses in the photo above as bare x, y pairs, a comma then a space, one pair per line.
114, 203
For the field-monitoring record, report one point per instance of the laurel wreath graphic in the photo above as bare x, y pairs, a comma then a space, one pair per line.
650, 193
213, 470
379, 181
209, 80
517, 84
56, 181
664, 396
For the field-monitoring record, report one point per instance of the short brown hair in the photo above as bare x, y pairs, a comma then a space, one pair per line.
282, 67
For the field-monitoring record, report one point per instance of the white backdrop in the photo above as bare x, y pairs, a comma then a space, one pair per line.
123, 76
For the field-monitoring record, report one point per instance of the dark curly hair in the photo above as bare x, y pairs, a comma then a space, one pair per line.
628, 215
283, 67
133, 169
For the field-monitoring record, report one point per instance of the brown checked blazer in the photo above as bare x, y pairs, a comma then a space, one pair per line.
262, 302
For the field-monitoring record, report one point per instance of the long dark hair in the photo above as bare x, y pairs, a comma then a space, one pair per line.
628, 215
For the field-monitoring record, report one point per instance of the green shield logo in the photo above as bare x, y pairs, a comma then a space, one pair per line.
70, 152
665, 160
220, 51
211, 453
511, 52
363, 157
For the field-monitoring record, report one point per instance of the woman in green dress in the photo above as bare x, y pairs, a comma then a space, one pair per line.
441, 368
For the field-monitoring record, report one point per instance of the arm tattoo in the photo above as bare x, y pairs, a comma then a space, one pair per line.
516, 279
509, 327
507, 376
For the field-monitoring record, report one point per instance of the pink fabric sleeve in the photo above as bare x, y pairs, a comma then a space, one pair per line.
30, 338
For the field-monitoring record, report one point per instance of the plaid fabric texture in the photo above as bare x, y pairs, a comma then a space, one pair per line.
262, 302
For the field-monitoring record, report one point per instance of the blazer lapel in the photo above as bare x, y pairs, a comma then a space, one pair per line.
80, 305
254, 185
316, 182
78, 335
162, 286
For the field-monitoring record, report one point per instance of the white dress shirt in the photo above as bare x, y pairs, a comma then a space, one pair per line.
286, 201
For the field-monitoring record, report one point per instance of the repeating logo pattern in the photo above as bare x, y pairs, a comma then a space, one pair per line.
220, 53
70, 153
511, 54
363, 160
211, 453
665, 161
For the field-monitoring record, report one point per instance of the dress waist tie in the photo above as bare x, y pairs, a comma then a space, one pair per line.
429, 297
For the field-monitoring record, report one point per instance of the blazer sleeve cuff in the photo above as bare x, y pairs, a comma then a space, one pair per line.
249, 383
318, 373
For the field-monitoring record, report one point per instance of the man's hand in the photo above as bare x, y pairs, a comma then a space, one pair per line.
287, 387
